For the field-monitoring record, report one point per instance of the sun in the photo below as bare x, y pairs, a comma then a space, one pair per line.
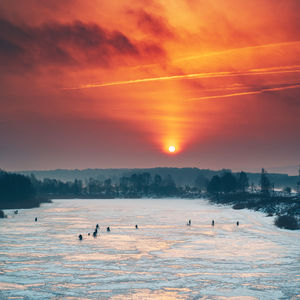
172, 149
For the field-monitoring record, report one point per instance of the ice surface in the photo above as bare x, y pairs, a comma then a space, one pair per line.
163, 259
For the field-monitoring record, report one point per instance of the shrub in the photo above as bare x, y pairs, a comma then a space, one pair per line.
239, 206
287, 222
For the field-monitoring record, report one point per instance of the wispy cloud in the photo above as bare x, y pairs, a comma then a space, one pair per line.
239, 49
252, 72
247, 93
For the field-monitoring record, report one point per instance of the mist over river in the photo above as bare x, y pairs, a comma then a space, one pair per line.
163, 259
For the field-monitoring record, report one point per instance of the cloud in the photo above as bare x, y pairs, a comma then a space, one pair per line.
8, 48
156, 26
76, 44
223, 74
249, 92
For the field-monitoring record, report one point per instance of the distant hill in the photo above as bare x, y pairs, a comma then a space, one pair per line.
181, 176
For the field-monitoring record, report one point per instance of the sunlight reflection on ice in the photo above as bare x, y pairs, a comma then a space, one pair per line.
163, 259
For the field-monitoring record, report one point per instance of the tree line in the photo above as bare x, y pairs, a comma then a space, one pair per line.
230, 183
17, 191
136, 185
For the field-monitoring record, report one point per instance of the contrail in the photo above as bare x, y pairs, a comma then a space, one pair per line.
193, 57
263, 71
142, 80
246, 93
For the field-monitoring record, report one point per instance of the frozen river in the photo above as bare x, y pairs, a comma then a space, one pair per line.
163, 259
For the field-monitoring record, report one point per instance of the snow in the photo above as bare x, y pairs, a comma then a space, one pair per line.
163, 259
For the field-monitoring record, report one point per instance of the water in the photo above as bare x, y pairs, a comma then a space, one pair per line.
163, 259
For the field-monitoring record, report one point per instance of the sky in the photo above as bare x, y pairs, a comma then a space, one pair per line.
113, 84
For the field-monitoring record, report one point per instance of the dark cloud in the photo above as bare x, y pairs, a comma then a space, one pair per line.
154, 25
76, 44
9, 49
153, 50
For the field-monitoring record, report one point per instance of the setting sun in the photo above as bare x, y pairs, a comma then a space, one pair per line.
172, 149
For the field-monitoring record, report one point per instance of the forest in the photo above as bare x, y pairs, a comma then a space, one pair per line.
20, 191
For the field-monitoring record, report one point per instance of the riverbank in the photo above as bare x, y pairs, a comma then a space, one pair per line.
24, 204
286, 209
2, 214
18, 192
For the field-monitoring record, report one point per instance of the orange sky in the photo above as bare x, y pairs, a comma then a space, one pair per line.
115, 83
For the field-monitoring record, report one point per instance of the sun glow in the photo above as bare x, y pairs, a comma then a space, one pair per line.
172, 149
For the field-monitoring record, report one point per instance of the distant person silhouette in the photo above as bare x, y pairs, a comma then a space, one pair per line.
97, 226
108, 229
35, 219
190, 222
237, 223
136, 227
80, 237
213, 223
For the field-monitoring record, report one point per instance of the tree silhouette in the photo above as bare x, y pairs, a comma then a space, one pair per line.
214, 185
242, 181
265, 184
228, 182
16, 190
